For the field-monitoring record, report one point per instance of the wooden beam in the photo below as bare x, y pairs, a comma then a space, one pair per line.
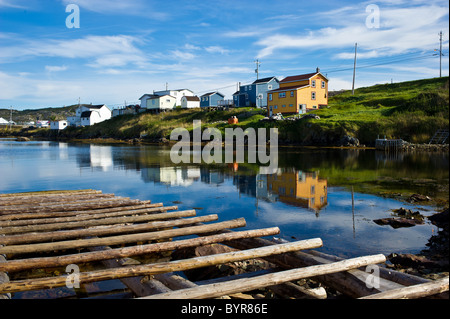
30, 238
152, 269
122, 239
43, 262
84, 217
96, 222
413, 292
247, 284
77, 212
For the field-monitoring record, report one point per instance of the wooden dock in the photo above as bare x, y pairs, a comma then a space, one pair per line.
71, 239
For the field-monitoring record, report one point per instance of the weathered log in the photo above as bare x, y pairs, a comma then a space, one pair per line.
101, 231
351, 283
413, 292
50, 193
38, 200
247, 284
96, 222
151, 269
42, 262
70, 207
3, 275
84, 217
123, 239
77, 212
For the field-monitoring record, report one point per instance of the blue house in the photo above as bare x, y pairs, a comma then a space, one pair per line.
211, 99
255, 94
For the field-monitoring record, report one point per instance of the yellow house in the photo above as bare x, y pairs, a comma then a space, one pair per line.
299, 189
299, 94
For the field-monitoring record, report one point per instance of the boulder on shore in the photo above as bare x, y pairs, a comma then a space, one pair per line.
398, 222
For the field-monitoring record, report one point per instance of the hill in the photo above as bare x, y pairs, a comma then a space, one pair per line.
50, 113
410, 110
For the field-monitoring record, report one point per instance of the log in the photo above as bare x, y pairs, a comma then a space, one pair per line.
118, 240
77, 212
4, 278
18, 265
44, 199
152, 269
84, 217
247, 284
101, 231
69, 207
413, 292
351, 283
50, 193
96, 222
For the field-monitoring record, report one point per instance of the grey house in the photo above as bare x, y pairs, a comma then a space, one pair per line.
211, 99
255, 94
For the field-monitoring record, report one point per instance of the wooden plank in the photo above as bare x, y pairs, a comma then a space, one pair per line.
152, 269
247, 284
38, 221
97, 222
77, 212
42, 262
413, 292
122, 239
30, 238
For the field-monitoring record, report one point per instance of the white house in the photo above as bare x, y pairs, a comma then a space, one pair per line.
3, 121
177, 94
88, 114
164, 102
58, 125
189, 102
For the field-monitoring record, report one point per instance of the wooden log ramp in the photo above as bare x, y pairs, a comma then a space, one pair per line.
67, 244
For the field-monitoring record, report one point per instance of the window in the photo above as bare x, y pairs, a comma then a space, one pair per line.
283, 106
275, 107
245, 88
313, 190
314, 106
291, 105
269, 87
249, 88
313, 95
323, 84
292, 93
313, 83
282, 95
270, 97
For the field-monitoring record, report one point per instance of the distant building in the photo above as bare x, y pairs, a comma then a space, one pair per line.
299, 94
255, 94
177, 94
88, 114
190, 102
211, 99
41, 124
161, 102
58, 125
3, 121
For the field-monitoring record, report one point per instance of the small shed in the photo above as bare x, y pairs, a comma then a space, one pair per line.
190, 102
58, 125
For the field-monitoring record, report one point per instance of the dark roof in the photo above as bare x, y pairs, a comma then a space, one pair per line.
265, 80
212, 93
298, 77
288, 88
93, 106
86, 114
192, 98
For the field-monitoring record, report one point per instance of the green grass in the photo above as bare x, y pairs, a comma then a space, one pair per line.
410, 110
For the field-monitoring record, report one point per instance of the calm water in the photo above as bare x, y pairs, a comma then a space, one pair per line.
309, 197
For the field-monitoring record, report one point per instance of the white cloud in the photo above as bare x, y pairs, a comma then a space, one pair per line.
55, 68
216, 49
177, 54
401, 30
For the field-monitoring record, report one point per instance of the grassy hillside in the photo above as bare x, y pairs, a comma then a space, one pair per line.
409, 110
50, 113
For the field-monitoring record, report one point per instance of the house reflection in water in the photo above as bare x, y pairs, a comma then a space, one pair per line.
172, 176
299, 189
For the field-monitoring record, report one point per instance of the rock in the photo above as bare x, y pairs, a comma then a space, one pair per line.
414, 261
348, 140
310, 116
408, 213
418, 198
441, 219
398, 222
22, 139
163, 140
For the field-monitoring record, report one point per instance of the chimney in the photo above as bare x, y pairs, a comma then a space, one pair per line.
317, 70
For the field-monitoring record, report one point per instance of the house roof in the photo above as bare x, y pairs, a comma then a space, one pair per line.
300, 77
90, 106
265, 80
212, 93
147, 94
289, 88
191, 98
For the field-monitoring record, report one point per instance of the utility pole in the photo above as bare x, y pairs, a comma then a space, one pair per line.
354, 71
257, 69
440, 54
10, 120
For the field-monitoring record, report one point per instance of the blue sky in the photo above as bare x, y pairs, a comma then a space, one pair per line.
124, 49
